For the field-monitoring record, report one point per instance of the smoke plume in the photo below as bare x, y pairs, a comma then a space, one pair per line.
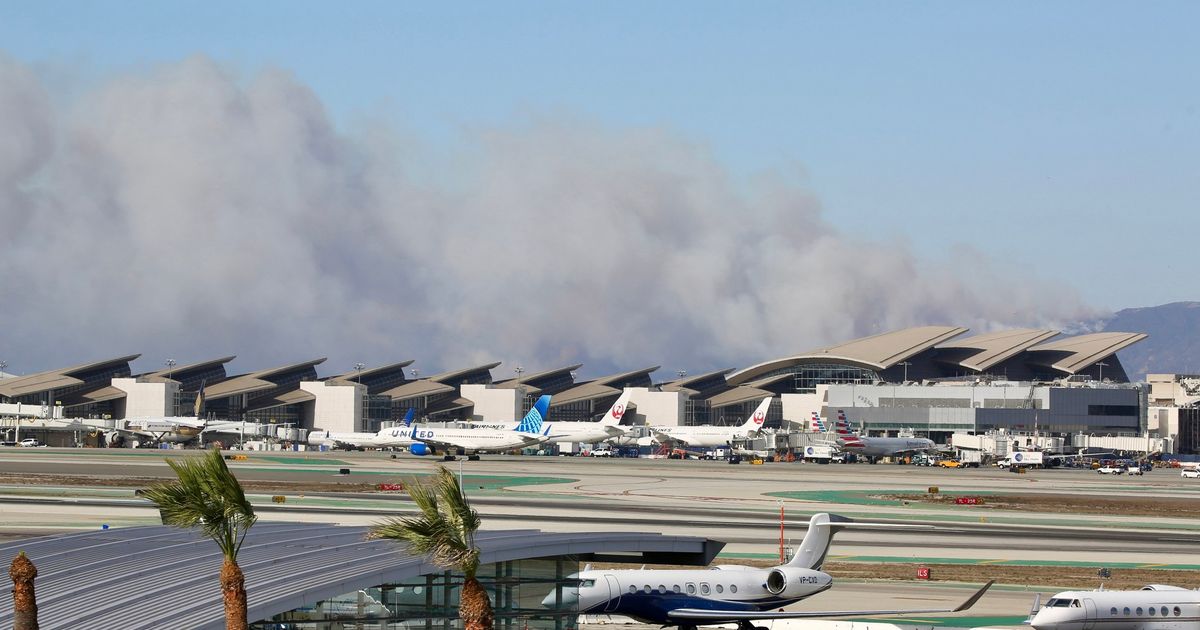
188, 212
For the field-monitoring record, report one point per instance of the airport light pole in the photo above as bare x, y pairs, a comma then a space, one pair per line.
520, 392
905, 364
1100, 376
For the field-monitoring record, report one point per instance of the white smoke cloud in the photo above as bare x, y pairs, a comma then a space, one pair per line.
188, 212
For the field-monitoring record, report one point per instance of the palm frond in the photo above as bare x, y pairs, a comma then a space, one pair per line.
444, 527
206, 495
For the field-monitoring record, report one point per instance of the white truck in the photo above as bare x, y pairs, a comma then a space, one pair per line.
1023, 459
969, 458
818, 453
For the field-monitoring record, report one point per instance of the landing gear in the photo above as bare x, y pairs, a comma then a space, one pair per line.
746, 625
448, 457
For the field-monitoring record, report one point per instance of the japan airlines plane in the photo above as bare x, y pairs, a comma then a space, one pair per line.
471, 442
586, 432
390, 437
878, 446
710, 436
722, 594
1154, 607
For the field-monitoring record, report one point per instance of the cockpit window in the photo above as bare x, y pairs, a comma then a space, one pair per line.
587, 583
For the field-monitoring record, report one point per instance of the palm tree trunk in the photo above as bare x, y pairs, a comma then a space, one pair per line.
233, 590
23, 573
474, 607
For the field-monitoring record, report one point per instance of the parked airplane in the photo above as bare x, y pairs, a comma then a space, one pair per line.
179, 429
711, 436
722, 594
585, 432
1154, 607
389, 437
873, 447
471, 442
818, 426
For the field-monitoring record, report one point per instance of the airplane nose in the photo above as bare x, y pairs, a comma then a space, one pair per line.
570, 599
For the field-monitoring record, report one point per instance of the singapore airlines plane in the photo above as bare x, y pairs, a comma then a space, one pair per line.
722, 594
1154, 607
710, 436
426, 440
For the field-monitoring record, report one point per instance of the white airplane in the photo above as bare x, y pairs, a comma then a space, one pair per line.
586, 432
873, 447
708, 435
426, 440
1154, 607
390, 437
179, 429
722, 594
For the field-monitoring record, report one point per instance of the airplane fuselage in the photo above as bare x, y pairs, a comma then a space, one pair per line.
648, 595
885, 446
1162, 608
475, 440
704, 436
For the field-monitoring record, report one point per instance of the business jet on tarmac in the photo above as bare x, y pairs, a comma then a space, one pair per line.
586, 432
710, 436
471, 442
389, 437
722, 594
1154, 607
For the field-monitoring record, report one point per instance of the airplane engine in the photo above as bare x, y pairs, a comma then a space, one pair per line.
789, 582
420, 449
113, 438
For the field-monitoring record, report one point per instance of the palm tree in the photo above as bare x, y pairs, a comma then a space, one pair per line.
208, 496
444, 530
23, 573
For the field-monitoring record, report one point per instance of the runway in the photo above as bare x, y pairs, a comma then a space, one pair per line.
737, 504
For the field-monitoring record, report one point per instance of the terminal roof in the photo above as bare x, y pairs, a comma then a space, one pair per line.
164, 577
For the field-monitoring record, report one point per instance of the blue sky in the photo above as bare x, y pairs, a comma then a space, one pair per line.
1064, 136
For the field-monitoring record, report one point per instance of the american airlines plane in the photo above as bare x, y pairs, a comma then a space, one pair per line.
873, 447
712, 436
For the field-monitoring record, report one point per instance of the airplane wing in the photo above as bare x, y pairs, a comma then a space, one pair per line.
661, 437
701, 616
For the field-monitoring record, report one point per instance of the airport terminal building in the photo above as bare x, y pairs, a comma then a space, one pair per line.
932, 380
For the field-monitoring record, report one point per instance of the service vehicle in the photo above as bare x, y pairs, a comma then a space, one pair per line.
30, 442
1190, 473
1111, 470
949, 463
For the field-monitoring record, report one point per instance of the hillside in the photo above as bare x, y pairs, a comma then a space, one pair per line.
1174, 342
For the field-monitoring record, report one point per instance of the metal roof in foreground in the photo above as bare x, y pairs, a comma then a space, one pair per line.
164, 577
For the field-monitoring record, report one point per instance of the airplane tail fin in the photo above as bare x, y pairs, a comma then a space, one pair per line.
408, 417
821, 528
199, 408
843, 425
532, 422
617, 411
817, 425
756, 419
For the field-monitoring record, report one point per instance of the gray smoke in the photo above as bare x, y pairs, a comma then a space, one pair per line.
187, 212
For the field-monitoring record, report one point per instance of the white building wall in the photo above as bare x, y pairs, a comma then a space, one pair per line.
657, 408
339, 407
493, 404
148, 399
798, 409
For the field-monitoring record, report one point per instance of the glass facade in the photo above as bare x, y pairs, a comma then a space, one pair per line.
806, 377
430, 602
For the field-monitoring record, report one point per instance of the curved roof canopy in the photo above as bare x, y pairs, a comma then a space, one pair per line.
57, 379
1076, 354
164, 577
983, 352
877, 352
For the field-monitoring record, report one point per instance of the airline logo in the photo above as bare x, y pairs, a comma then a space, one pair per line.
618, 411
759, 417
817, 425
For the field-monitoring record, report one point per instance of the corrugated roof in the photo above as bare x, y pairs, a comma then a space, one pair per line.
878, 352
681, 384
453, 374
1083, 351
592, 390
995, 348
354, 375
412, 389
142, 578
510, 383
737, 396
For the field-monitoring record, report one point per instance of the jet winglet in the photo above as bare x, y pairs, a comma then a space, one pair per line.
974, 598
